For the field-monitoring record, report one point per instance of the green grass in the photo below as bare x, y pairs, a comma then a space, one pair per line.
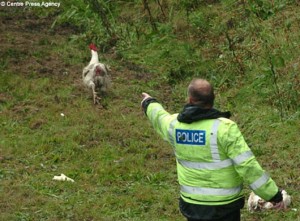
122, 169
117, 170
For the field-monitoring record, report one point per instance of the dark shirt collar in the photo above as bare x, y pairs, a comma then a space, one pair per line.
192, 113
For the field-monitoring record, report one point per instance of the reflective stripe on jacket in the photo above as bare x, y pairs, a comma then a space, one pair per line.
213, 159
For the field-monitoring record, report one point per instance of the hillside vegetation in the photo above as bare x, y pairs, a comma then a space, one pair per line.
249, 50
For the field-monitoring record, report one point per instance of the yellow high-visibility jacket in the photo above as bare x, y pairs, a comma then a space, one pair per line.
213, 159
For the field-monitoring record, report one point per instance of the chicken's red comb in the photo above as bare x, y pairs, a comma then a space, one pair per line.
93, 47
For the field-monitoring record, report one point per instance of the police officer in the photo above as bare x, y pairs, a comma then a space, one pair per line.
213, 160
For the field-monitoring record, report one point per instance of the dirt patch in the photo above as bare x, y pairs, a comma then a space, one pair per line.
29, 47
25, 43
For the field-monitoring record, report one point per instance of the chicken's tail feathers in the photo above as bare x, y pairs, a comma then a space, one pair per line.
93, 47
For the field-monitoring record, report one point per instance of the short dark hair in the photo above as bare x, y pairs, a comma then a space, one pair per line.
202, 93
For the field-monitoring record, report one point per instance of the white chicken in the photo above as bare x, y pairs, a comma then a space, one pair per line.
95, 75
255, 203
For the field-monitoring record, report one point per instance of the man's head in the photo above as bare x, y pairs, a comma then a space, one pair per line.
201, 93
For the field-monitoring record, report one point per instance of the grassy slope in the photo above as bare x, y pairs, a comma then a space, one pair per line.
122, 169
119, 165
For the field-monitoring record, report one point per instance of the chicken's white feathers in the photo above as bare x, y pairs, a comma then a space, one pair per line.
94, 57
255, 203
95, 75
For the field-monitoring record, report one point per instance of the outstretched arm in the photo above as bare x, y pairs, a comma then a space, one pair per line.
158, 116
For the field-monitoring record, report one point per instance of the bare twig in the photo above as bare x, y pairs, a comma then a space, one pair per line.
147, 8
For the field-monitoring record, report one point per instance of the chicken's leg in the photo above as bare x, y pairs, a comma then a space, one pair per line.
95, 96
